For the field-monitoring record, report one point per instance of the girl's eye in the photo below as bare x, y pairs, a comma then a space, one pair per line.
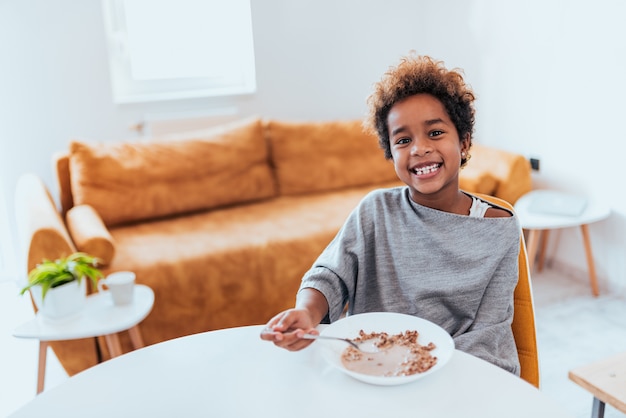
402, 141
436, 133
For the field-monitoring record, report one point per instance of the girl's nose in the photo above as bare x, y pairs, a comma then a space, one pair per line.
421, 147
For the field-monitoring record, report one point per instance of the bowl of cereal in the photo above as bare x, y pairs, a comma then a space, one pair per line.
405, 347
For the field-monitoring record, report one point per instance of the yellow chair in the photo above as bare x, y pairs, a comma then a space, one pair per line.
524, 314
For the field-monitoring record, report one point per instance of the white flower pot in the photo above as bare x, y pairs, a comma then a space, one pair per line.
61, 302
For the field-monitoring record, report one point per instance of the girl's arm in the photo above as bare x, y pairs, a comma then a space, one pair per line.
313, 301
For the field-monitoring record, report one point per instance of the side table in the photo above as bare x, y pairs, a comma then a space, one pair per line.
605, 380
100, 317
538, 224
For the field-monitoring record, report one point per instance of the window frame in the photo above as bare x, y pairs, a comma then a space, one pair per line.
127, 89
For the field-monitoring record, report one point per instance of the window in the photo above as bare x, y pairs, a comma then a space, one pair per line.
177, 49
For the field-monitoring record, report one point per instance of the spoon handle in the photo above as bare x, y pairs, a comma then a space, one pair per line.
324, 337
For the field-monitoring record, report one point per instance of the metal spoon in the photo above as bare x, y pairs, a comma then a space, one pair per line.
364, 347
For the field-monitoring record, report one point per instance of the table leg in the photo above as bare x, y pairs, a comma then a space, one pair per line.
532, 245
113, 344
597, 410
135, 337
592, 270
41, 371
542, 249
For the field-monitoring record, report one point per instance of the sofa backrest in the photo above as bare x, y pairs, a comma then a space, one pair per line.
312, 157
151, 178
246, 161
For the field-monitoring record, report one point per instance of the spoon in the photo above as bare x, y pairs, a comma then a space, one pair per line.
364, 347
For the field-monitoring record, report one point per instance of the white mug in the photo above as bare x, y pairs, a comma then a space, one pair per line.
121, 286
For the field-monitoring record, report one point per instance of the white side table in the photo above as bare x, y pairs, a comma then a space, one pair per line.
539, 224
99, 318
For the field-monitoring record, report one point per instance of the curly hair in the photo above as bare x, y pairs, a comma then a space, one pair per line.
421, 74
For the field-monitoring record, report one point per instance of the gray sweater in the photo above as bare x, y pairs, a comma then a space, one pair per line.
393, 255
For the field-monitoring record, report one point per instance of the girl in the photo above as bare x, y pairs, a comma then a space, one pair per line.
427, 249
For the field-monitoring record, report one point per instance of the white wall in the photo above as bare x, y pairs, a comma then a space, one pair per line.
552, 85
547, 75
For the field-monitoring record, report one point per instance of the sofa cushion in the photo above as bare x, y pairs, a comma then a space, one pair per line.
319, 156
61, 164
89, 233
151, 178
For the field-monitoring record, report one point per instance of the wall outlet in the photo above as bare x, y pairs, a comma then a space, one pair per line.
534, 164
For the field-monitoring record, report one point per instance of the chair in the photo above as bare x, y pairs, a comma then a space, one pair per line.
524, 314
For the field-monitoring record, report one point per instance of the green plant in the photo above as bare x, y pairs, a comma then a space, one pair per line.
50, 274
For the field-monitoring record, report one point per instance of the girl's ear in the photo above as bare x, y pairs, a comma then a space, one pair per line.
466, 143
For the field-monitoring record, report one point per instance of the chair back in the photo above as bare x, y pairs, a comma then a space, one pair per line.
523, 325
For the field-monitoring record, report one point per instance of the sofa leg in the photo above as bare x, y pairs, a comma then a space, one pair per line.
113, 344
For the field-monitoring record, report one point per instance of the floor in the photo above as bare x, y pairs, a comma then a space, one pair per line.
573, 329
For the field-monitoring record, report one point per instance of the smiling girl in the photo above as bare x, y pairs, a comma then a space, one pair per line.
426, 249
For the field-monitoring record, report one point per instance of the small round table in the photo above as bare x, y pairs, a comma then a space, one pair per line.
540, 211
99, 317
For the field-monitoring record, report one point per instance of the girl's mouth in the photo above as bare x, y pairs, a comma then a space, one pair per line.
420, 171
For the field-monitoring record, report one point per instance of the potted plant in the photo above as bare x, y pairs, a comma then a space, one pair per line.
59, 287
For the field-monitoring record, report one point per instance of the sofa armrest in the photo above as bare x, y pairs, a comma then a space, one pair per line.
89, 233
477, 181
511, 171
41, 231
516, 180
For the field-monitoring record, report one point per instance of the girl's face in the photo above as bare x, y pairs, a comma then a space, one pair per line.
425, 147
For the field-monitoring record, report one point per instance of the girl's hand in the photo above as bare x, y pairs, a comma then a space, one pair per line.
287, 328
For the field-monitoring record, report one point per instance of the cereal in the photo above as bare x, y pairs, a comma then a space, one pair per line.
398, 355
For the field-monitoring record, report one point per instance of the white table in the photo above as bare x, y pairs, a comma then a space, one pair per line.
233, 373
539, 224
99, 317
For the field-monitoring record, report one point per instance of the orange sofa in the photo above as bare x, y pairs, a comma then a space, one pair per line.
220, 223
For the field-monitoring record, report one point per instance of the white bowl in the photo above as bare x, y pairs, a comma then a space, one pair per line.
391, 323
